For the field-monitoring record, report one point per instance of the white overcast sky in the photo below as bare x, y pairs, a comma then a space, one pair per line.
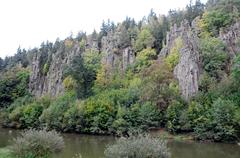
27, 23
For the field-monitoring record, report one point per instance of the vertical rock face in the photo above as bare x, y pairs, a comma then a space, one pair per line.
115, 57
172, 35
187, 70
51, 83
231, 37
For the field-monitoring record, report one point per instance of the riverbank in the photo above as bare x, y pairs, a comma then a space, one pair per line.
92, 146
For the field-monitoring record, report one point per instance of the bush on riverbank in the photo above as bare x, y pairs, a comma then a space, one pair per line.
37, 144
138, 146
6, 153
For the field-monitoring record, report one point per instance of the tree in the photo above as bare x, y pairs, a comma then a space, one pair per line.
13, 84
144, 40
82, 70
158, 28
144, 59
158, 85
214, 57
192, 11
236, 68
1, 64
176, 17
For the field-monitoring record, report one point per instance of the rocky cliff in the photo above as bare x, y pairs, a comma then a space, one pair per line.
114, 56
230, 37
50, 81
187, 70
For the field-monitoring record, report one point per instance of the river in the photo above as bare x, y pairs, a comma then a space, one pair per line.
93, 146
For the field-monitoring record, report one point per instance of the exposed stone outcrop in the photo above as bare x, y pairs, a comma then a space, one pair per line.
230, 37
187, 70
115, 57
51, 83
172, 35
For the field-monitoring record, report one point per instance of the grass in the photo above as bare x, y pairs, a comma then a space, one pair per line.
5, 153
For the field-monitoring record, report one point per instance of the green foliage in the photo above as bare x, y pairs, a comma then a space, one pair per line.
30, 115
52, 117
74, 118
37, 144
144, 40
214, 57
176, 116
6, 153
82, 44
143, 96
136, 147
83, 69
69, 83
46, 68
194, 10
236, 68
206, 82
215, 20
144, 59
14, 84
157, 85
173, 58
220, 14
220, 124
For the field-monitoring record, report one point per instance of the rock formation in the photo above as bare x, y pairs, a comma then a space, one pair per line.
51, 83
187, 70
230, 37
115, 57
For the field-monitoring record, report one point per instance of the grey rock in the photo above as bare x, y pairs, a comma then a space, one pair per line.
52, 82
187, 71
230, 37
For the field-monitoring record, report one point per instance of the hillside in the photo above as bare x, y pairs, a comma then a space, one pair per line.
178, 71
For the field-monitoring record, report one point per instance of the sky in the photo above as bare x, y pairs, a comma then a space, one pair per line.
27, 23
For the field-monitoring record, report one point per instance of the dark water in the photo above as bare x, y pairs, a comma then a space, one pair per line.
93, 147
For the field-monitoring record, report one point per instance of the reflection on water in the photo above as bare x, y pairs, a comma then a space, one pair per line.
93, 147
88, 146
203, 150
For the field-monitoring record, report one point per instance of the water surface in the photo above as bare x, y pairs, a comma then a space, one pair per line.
93, 146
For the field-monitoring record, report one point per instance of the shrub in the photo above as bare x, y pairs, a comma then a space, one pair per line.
235, 68
214, 56
25, 115
138, 146
98, 113
144, 59
6, 153
144, 40
74, 118
214, 20
53, 115
31, 114
69, 83
13, 84
37, 144
156, 85
175, 116
145, 115
45, 68
173, 58
21, 101
219, 124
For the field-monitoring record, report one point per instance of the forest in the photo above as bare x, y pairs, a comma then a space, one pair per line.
99, 93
